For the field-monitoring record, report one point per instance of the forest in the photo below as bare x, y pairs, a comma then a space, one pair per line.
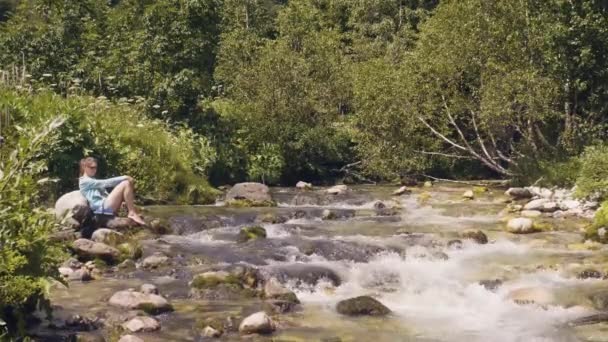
189, 95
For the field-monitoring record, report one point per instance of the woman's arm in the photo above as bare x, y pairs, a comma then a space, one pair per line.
90, 183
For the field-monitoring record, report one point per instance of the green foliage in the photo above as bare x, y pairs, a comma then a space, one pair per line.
251, 233
267, 164
593, 175
28, 259
168, 165
598, 230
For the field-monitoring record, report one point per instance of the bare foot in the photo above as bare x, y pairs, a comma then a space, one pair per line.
135, 217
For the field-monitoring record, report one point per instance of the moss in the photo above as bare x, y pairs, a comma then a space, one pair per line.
480, 189
152, 309
130, 250
210, 281
245, 203
271, 218
424, 197
251, 233
598, 229
542, 227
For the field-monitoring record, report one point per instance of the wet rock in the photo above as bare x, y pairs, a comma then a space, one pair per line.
132, 300
363, 305
65, 235
87, 249
521, 225
600, 300
212, 279
83, 323
107, 236
114, 222
82, 336
130, 338
402, 191
257, 323
210, 332
148, 289
271, 218
305, 273
592, 319
273, 289
65, 271
531, 295
249, 195
591, 205
275, 307
455, 244
251, 233
158, 227
303, 185
223, 285
475, 235
155, 260
531, 213
339, 250
328, 215
380, 209
337, 190
186, 225
537, 204
590, 274
128, 264
74, 205
469, 195
519, 193
72, 263
141, 324
82, 274
491, 284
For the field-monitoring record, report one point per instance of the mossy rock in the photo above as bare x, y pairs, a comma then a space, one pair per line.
251, 233
209, 281
245, 203
363, 305
271, 218
480, 189
130, 250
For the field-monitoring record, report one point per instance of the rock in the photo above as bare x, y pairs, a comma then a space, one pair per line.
130, 338
130, 250
541, 192
148, 289
475, 235
271, 218
141, 324
592, 319
251, 233
569, 204
328, 215
521, 225
549, 207
107, 236
275, 307
591, 205
156, 226
468, 195
402, 191
337, 189
455, 244
537, 204
128, 264
211, 333
88, 249
600, 300
132, 300
273, 289
519, 193
590, 274
253, 194
531, 295
74, 205
428, 184
491, 284
531, 213
258, 323
82, 274
303, 185
363, 305
306, 273
155, 260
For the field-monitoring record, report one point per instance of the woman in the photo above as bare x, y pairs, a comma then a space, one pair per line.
94, 190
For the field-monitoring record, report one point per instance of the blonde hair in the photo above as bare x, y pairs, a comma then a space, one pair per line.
88, 161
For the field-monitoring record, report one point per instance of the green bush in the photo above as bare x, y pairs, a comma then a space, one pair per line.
168, 165
600, 221
27, 257
593, 175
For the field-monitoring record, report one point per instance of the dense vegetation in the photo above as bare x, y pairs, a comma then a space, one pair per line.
178, 92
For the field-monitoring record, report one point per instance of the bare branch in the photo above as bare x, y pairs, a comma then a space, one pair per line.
441, 135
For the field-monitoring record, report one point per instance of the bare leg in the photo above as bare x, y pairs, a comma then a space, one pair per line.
124, 192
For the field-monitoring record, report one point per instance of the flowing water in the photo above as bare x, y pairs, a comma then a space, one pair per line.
404, 261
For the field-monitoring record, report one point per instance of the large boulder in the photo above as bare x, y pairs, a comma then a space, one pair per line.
258, 323
132, 300
88, 250
521, 225
363, 305
250, 194
74, 205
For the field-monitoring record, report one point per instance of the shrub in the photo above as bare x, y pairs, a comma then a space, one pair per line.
27, 257
593, 175
598, 230
169, 164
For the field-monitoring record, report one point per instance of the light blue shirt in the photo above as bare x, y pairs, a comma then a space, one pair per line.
94, 190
